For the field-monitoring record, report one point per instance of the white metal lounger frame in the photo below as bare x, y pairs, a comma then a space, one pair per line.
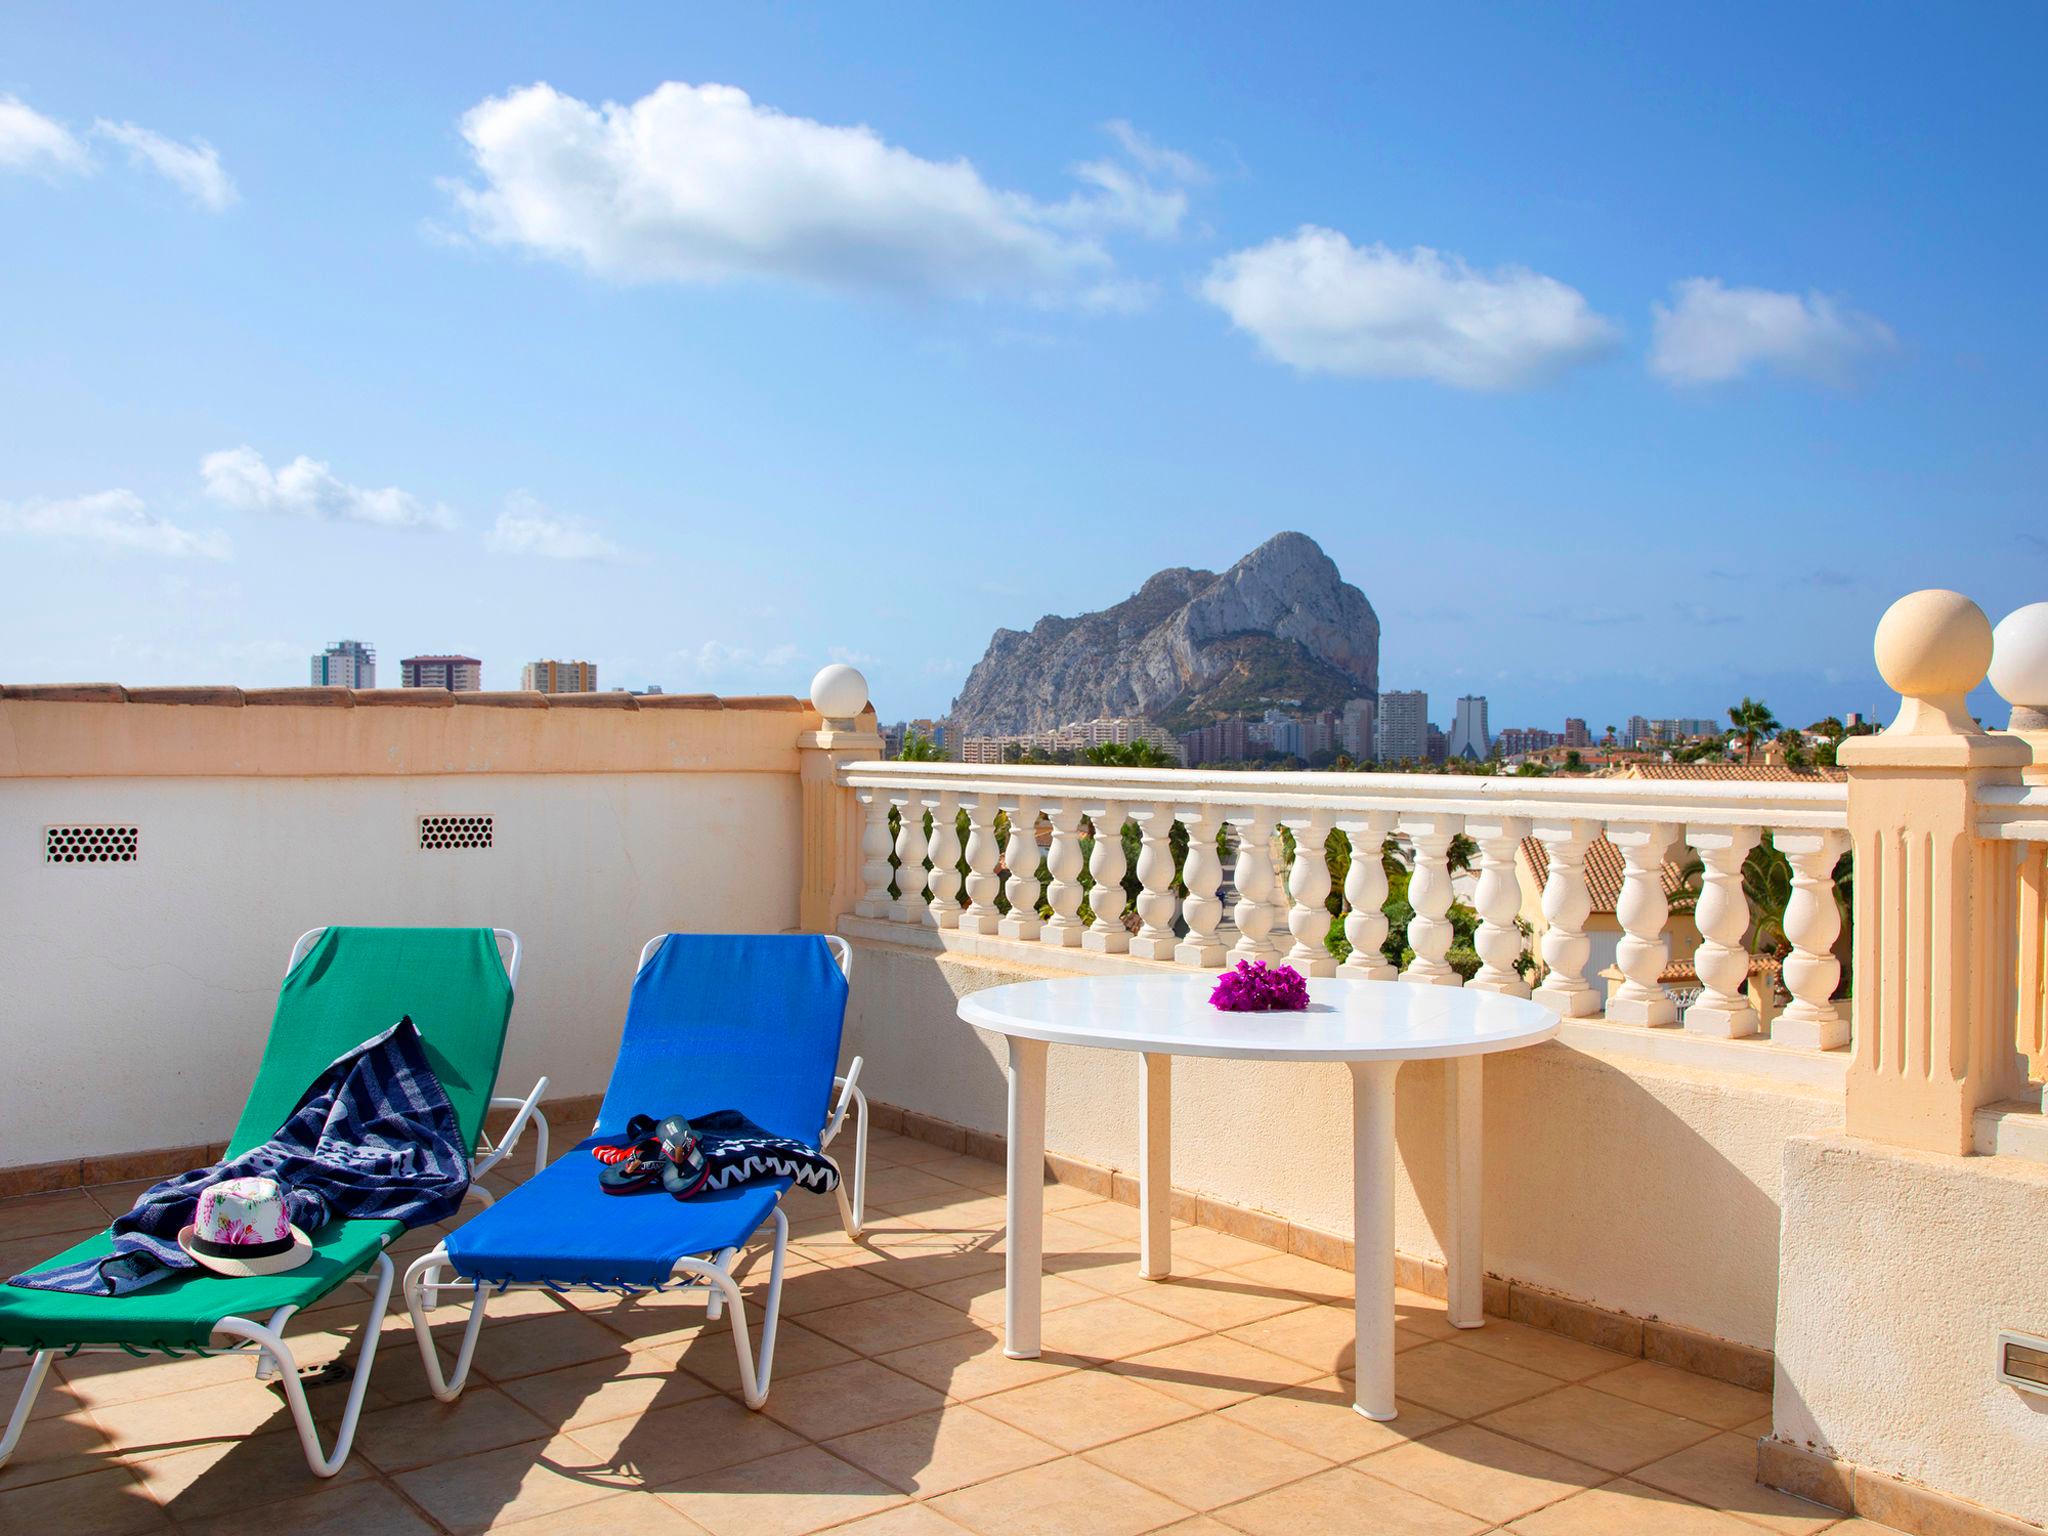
266, 1340
423, 1282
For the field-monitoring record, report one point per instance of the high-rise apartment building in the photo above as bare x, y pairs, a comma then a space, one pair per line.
1403, 734
559, 677
1575, 732
1354, 733
345, 664
1469, 738
458, 674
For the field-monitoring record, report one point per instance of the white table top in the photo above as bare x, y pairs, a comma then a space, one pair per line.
1345, 1021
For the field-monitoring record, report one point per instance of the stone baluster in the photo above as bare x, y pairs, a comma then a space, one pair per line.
944, 853
1063, 863
1722, 916
1020, 856
1253, 878
1201, 874
874, 853
1497, 898
1813, 921
1308, 883
911, 907
1107, 934
981, 915
1365, 895
1429, 893
1276, 897
1155, 940
1567, 903
1642, 910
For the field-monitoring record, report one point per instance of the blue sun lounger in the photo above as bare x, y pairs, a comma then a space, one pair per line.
715, 1022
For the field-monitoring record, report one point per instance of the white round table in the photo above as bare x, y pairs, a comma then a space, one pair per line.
1372, 1025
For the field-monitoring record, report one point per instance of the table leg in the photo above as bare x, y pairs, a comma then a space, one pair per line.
1372, 1191
1464, 1134
1155, 1167
1023, 1264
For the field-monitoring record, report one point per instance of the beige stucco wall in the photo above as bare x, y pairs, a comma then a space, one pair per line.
1900, 1267
1639, 1185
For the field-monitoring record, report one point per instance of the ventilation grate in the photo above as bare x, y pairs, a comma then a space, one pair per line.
90, 845
450, 832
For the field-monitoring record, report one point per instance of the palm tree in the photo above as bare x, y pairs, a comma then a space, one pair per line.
1752, 719
920, 749
1131, 754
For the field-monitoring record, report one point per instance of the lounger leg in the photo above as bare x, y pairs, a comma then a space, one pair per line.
853, 1214
38, 1368
422, 1277
714, 1304
272, 1340
753, 1380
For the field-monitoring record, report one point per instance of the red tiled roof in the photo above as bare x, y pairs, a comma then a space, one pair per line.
1604, 870
1770, 772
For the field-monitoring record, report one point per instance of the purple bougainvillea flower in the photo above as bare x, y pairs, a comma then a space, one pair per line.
1252, 986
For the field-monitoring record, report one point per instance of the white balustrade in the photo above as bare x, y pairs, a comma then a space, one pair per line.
874, 854
1308, 883
944, 853
1201, 873
1020, 857
1567, 903
1063, 892
982, 915
1107, 934
1642, 910
1429, 893
1276, 897
1497, 898
1155, 939
1253, 877
1365, 897
1722, 915
1813, 921
911, 907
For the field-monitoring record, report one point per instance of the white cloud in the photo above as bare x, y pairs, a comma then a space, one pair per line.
33, 143
526, 527
193, 168
1315, 301
113, 520
1710, 334
701, 184
1156, 159
714, 664
239, 478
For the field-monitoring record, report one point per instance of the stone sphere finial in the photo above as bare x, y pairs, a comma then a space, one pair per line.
840, 693
2019, 665
1933, 645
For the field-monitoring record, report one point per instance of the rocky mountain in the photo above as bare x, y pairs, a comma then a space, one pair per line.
1280, 628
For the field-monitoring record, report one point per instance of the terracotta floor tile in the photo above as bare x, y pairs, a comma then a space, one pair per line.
233, 1475
914, 1257
889, 1322
176, 1422
710, 1356
606, 1389
1197, 1525
905, 1149
935, 1453
20, 1253
482, 1419
118, 1199
1625, 1508
795, 1491
1080, 1410
1342, 1500
1069, 1497
1551, 1354
1218, 1250
359, 1509
1429, 1316
1215, 1371
1720, 1403
1318, 1417
1463, 1382
888, 1187
659, 1449
1480, 1473
102, 1380
531, 1345
106, 1503
904, 1520
64, 1210
960, 1210
1721, 1473
972, 1365
832, 1286
1110, 1218
521, 1482
1110, 1328
1607, 1431
975, 1173
1110, 1271
1214, 1300
52, 1445
1206, 1462
618, 1514
1305, 1277
981, 1296
843, 1398
1325, 1337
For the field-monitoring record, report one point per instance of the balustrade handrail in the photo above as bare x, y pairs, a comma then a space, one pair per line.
1708, 802
2013, 812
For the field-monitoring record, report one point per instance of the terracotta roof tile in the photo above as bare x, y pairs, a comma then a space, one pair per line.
1604, 870
1776, 773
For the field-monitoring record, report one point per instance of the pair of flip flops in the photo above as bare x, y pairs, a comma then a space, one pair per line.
663, 1154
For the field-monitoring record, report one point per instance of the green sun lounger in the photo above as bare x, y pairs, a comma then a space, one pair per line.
341, 986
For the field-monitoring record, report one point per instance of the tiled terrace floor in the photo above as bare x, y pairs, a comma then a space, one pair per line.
1213, 1403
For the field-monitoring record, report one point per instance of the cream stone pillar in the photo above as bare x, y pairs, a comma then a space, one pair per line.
981, 915
875, 843
1308, 883
1201, 874
1567, 903
1253, 878
1020, 857
1429, 893
944, 852
1365, 898
1642, 910
1063, 863
833, 821
2019, 671
1106, 863
911, 906
1813, 921
1936, 919
1722, 916
1155, 940
1497, 898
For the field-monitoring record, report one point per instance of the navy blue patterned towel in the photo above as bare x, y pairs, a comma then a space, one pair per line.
374, 1138
736, 1151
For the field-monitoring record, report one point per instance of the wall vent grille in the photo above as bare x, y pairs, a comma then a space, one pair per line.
454, 832
90, 845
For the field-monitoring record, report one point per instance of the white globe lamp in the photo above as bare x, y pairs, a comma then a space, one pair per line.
2019, 665
839, 693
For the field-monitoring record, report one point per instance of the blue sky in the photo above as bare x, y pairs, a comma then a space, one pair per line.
958, 317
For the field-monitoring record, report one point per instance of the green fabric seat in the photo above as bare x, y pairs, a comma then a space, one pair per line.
352, 984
